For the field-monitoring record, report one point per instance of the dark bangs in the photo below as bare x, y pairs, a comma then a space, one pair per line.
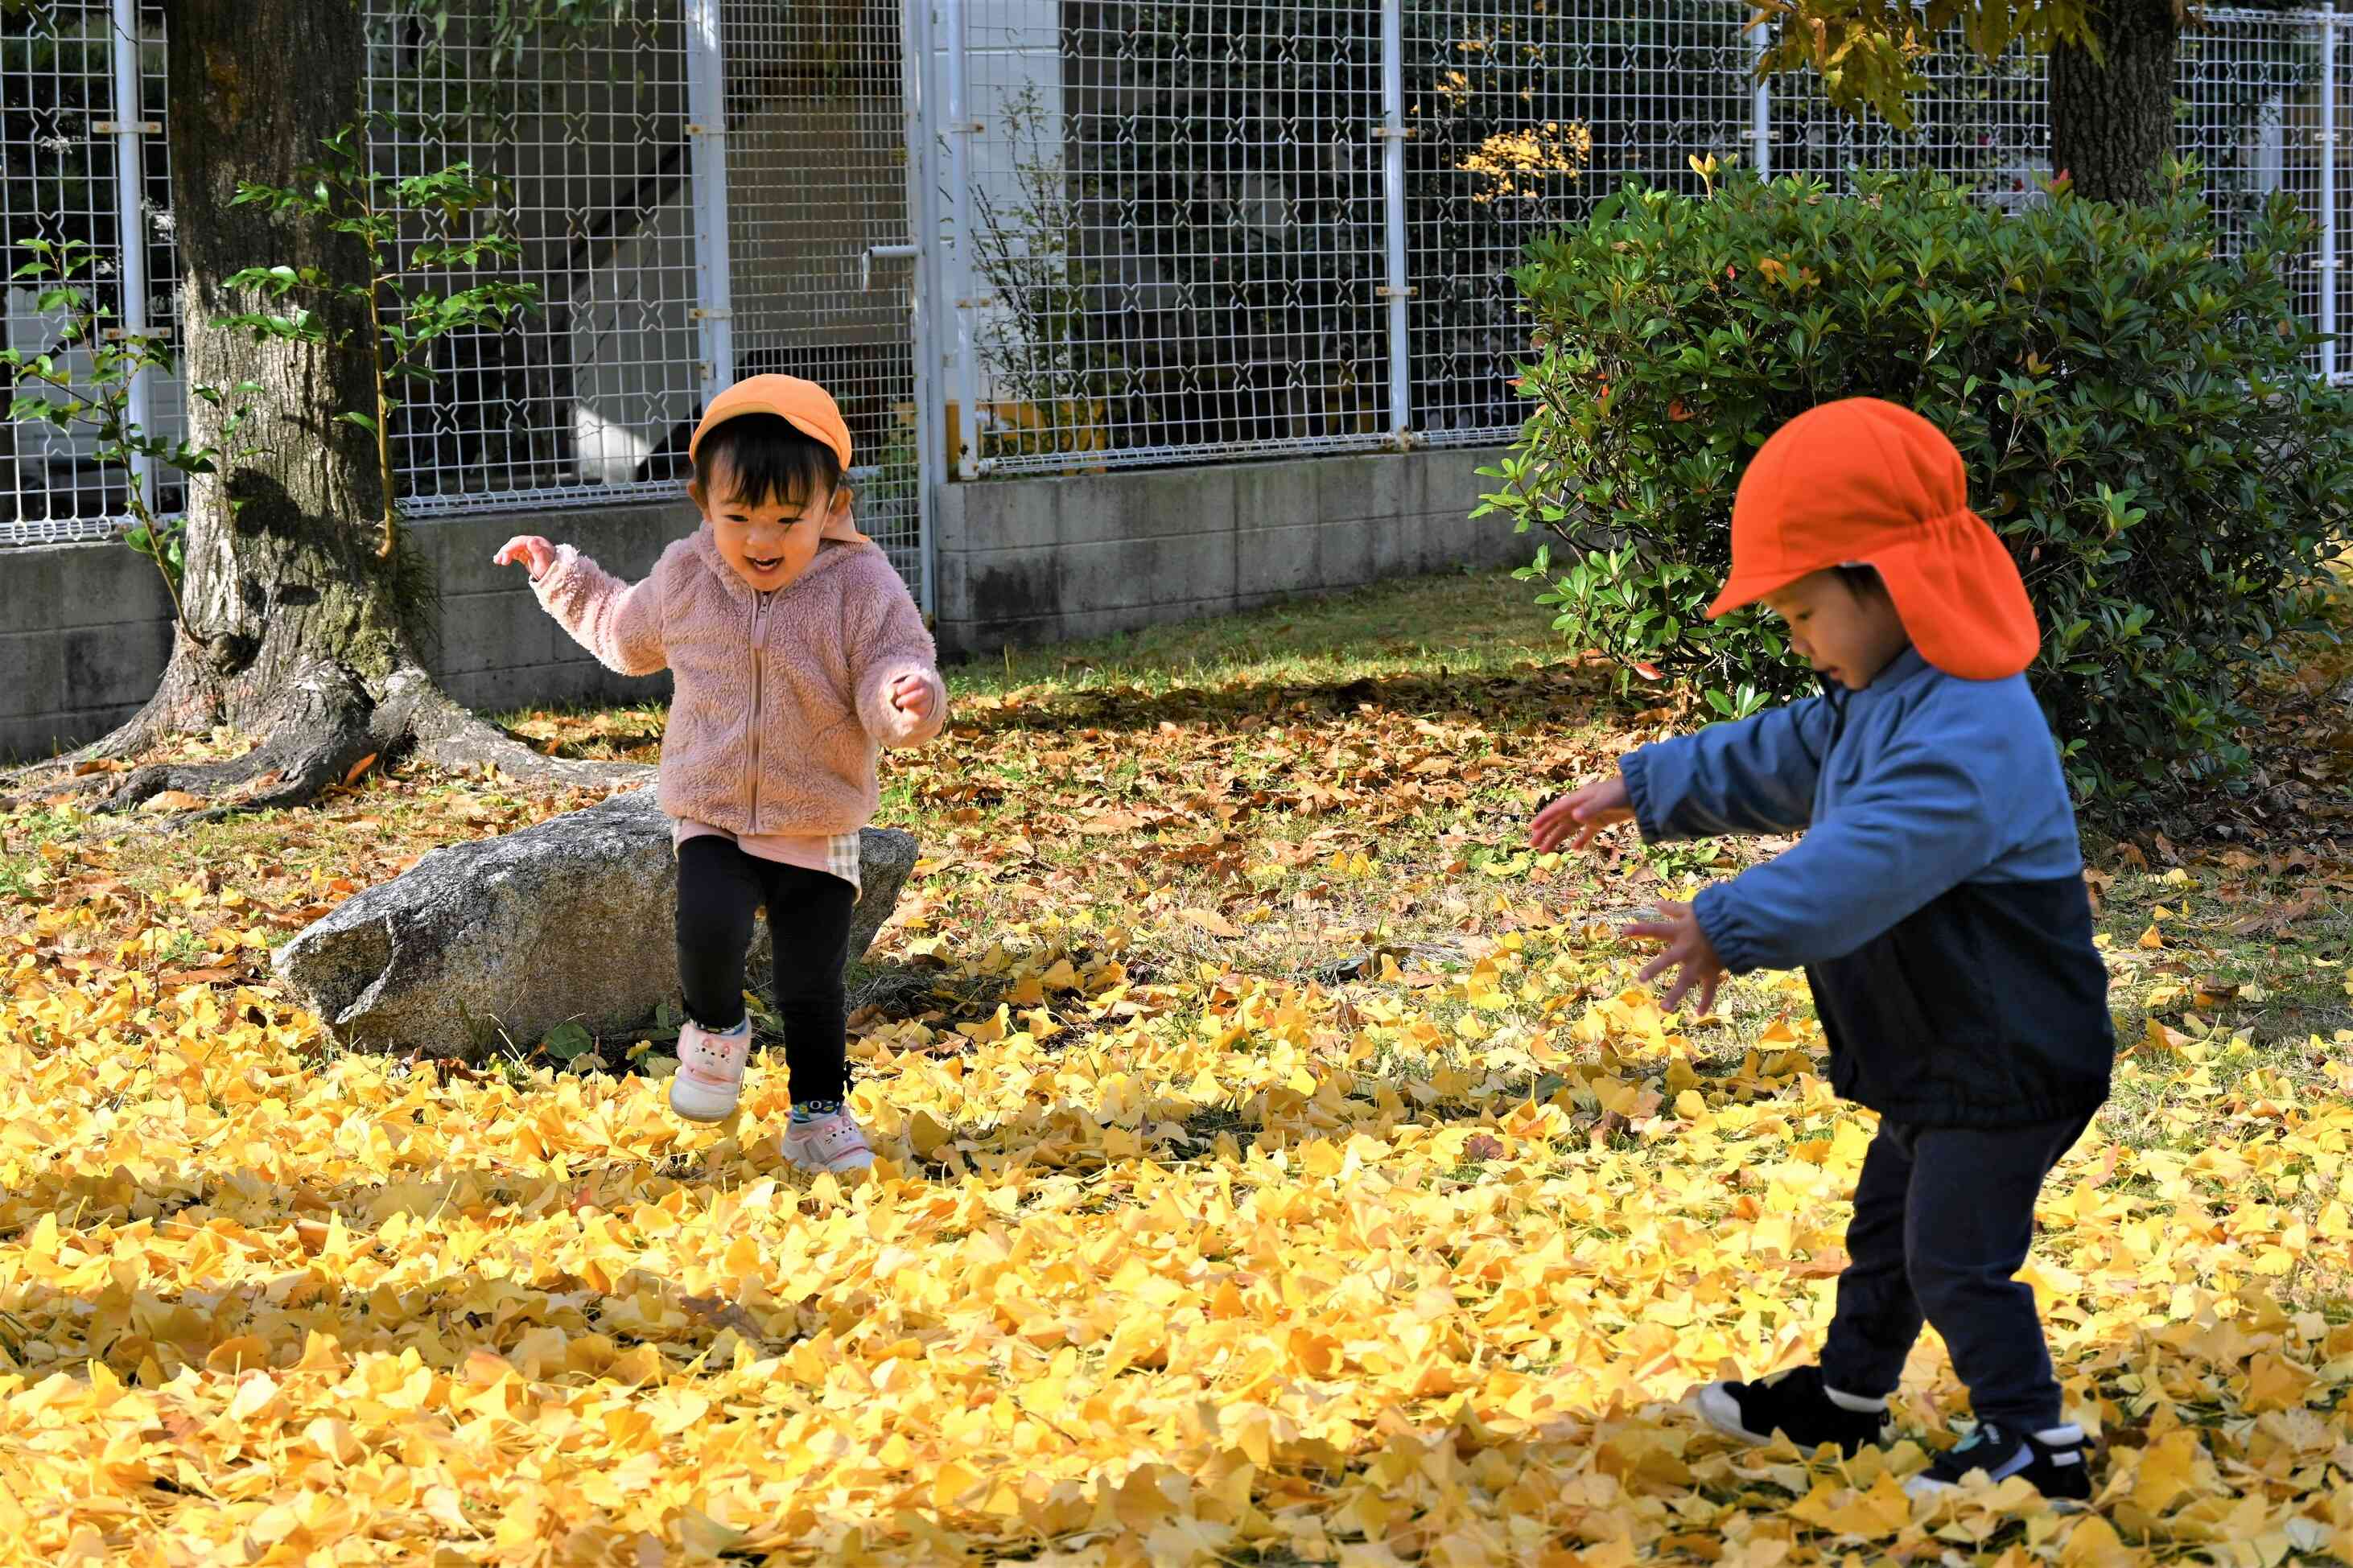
1861, 580
762, 457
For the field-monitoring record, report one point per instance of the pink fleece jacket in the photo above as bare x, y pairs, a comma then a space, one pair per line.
780, 699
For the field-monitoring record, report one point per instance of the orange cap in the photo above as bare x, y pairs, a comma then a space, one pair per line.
804, 405
1862, 482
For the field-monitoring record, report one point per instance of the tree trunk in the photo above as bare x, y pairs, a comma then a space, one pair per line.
294, 634
281, 565
2112, 119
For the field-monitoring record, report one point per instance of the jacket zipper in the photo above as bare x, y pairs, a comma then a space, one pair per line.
759, 627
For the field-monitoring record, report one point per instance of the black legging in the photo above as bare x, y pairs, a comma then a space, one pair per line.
719, 886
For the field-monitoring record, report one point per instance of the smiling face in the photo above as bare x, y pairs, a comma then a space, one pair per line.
768, 541
1847, 632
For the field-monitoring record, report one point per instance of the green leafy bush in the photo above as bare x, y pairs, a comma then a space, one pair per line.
2137, 410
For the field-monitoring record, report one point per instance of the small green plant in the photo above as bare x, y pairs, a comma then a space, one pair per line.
890, 493
568, 1041
458, 209
63, 274
184, 948
1047, 346
2135, 401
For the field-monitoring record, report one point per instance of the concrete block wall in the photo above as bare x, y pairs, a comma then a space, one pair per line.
498, 650
1035, 560
85, 629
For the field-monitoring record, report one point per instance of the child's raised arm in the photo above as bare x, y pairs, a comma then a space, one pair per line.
1753, 777
619, 622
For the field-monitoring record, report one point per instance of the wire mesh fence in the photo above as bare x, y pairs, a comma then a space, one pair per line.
2250, 109
1176, 228
816, 180
1152, 231
1519, 117
1149, 249
63, 179
585, 124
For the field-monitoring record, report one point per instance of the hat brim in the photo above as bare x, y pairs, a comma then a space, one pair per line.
1745, 588
1956, 587
839, 441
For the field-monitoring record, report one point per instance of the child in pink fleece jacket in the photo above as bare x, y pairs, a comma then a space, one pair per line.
796, 652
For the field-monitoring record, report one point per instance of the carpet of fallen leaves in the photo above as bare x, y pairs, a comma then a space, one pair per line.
1279, 1167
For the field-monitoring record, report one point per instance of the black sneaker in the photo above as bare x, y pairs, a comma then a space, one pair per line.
2054, 1462
1795, 1404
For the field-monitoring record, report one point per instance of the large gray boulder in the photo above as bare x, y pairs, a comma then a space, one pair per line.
570, 920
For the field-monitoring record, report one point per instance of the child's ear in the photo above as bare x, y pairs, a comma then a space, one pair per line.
843, 498
694, 494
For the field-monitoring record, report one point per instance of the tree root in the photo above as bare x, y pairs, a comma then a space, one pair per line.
322, 726
321, 729
63, 774
449, 736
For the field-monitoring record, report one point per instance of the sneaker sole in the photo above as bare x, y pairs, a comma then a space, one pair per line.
706, 1114
1922, 1489
815, 1167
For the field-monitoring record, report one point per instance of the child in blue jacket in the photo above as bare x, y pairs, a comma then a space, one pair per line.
1936, 901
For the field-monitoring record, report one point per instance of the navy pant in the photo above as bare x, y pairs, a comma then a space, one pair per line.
1943, 1216
718, 887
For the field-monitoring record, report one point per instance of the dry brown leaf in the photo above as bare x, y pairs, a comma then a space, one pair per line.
196, 976
1211, 921
172, 800
2281, 916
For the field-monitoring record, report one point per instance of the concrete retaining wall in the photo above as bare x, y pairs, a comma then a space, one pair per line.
84, 628
1034, 560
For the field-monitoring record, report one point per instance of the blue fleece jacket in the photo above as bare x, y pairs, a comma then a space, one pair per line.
1929, 781
1937, 892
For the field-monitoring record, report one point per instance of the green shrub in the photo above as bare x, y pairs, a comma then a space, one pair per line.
2136, 408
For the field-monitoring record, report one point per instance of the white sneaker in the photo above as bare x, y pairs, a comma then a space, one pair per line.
710, 1077
833, 1142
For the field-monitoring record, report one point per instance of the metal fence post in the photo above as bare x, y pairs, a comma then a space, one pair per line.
2329, 259
961, 130
1396, 291
922, 291
130, 219
1760, 106
706, 130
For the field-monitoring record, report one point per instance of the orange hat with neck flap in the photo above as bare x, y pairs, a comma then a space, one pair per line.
1864, 483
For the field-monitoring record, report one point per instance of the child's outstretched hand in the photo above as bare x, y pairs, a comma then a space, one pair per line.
911, 695
1602, 804
1688, 946
536, 554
